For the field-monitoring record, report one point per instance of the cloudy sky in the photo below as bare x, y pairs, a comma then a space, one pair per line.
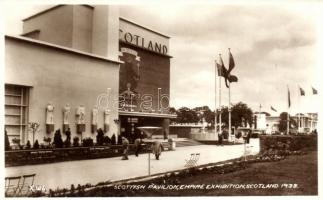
274, 45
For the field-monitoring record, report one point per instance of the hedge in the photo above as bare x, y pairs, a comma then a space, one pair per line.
51, 155
288, 142
38, 156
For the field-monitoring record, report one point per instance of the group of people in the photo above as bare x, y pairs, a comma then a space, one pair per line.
246, 137
156, 147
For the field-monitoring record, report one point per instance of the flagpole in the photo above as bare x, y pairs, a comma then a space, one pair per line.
299, 112
229, 138
220, 117
288, 111
229, 113
215, 108
288, 122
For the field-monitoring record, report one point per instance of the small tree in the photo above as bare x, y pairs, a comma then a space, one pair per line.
16, 141
33, 126
87, 142
48, 140
113, 139
72, 189
106, 140
99, 137
36, 145
119, 139
58, 139
67, 142
76, 141
282, 126
28, 145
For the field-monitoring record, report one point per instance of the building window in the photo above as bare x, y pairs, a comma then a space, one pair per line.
16, 112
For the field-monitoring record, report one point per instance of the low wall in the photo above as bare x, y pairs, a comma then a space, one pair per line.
186, 131
204, 136
288, 142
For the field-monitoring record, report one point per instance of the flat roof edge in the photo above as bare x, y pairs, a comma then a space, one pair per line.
52, 8
146, 28
41, 43
145, 114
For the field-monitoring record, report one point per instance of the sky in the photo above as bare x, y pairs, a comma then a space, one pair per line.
274, 46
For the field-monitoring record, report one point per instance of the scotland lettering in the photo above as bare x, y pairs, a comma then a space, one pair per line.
142, 42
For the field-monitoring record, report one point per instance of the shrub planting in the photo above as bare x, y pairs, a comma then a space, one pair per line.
87, 142
288, 142
67, 142
7, 143
28, 145
106, 140
100, 137
113, 139
36, 145
76, 141
58, 142
119, 140
47, 140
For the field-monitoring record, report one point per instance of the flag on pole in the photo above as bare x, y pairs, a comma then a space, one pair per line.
289, 103
221, 70
222, 67
231, 62
224, 71
314, 90
273, 109
302, 91
233, 78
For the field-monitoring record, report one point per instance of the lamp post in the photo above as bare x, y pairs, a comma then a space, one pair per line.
149, 161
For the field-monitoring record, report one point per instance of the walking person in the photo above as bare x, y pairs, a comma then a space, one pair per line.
125, 145
157, 149
138, 142
220, 138
248, 136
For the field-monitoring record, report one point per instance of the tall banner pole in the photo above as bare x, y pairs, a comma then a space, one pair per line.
299, 112
229, 113
288, 122
215, 108
220, 118
288, 110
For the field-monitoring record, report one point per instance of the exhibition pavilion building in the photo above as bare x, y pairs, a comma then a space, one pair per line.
83, 67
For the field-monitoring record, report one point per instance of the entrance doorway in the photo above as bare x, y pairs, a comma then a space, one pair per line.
129, 124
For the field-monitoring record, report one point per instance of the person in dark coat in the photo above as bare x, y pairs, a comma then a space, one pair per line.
220, 138
248, 136
138, 142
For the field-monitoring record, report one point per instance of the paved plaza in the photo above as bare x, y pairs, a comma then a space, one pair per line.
63, 174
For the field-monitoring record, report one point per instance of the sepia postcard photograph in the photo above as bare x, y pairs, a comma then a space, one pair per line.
160, 98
